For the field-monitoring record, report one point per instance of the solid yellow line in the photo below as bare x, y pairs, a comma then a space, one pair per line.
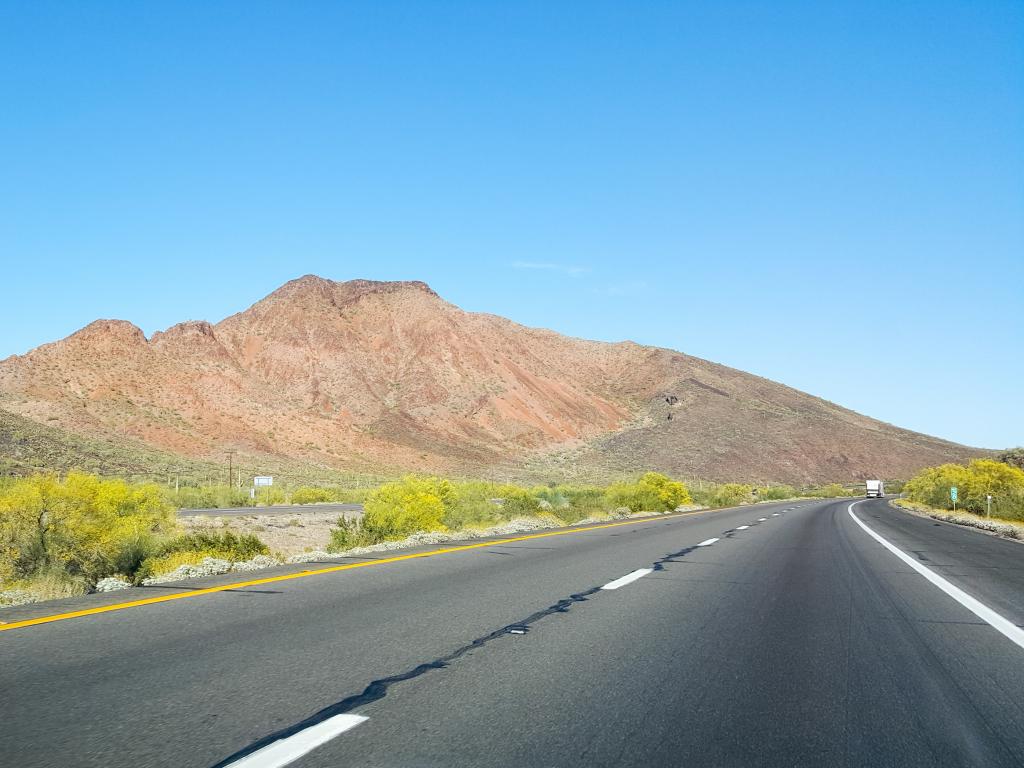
331, 569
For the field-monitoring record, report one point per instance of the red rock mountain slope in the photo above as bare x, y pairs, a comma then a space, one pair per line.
378, 376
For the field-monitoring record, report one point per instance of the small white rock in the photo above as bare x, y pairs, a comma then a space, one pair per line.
112, 584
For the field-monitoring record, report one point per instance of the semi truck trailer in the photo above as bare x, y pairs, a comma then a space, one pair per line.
876, 489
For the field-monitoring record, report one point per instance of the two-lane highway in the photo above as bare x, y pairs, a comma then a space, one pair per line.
767, 635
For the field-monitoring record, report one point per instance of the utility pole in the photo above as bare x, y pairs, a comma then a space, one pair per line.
231, 455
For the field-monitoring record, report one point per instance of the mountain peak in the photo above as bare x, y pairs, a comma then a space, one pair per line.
113, 330
340, 291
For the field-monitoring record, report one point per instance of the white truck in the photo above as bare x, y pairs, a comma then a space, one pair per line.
876, 489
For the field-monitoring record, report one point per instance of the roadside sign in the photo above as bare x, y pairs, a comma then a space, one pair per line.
262, 480
952, 493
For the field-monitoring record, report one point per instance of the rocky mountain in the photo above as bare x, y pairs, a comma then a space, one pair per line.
372, 376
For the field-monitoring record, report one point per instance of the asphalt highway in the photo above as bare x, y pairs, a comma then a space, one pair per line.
769, 635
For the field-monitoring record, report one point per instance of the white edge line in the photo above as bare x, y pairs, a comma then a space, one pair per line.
708, 542
975, 606
293, 747
628, 578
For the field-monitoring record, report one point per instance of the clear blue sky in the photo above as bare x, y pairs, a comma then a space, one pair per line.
827, 194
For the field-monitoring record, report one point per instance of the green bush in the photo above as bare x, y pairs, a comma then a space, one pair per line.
731, 495
400, 509
653, 492
347, 535
471, 504
193, 547
311, 496
83, 527
234, 546
517, 502
974, 483
571, 503
776, 493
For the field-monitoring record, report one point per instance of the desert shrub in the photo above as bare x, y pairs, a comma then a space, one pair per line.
233, 546
974, 483
584, 502
191, 548
730, 495
83, 527
348, 534
776, 492
399, 509
311, 495
570, 503
517, 502
472, 503
158, 565
653, 492
268, 495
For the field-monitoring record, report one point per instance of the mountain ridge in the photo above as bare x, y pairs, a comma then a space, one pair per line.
370, 375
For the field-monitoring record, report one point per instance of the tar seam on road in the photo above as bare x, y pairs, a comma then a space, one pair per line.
333, 569
378, 689
975, 606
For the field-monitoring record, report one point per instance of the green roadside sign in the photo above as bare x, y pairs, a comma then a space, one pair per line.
952, 493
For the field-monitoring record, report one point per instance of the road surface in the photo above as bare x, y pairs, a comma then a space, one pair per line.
277, 509
770, 635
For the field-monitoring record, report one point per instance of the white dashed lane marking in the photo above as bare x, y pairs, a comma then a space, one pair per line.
707, 542
290, 749
639, 573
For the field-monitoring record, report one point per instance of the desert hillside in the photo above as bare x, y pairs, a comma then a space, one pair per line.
372, 376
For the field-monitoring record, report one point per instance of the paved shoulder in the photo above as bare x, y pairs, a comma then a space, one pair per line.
987, 567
